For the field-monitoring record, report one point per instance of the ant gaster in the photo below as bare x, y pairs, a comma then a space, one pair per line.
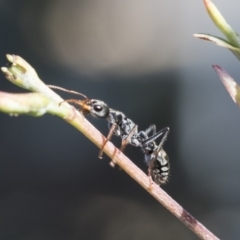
155, 157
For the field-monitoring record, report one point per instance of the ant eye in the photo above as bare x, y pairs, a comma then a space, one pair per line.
97, 108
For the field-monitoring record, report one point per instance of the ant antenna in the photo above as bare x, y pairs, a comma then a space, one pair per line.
66, 90
85, 109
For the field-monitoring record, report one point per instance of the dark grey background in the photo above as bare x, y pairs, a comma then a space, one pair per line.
139, 57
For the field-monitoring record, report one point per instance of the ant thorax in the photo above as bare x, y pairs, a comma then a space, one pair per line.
125, 127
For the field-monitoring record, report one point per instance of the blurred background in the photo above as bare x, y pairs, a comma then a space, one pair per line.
141, 58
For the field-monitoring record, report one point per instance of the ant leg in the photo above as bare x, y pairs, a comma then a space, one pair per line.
164, 138
142, 136
152, 129
124, 143
127, 139
112, 129
164, 131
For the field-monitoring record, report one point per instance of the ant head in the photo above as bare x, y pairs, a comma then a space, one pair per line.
98, 109
95, 107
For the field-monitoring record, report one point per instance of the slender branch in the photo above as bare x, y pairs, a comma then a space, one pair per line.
46, 101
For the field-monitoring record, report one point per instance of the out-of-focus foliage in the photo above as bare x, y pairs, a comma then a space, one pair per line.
232, 43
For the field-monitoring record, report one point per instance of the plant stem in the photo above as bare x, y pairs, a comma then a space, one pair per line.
47, 101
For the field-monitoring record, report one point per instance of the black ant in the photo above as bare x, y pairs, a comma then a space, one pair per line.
155, 157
